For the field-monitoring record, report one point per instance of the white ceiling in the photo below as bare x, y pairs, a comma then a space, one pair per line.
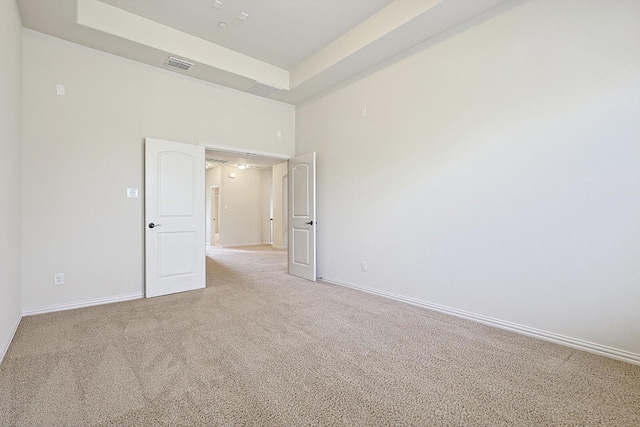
304, 47
279, 32
234, 158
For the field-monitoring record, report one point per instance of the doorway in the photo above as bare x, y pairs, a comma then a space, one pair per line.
244, 219
214, 235
244, 199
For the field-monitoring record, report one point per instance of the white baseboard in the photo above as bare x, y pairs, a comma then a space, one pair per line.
80, 304
5, 345
279, 247
590, 347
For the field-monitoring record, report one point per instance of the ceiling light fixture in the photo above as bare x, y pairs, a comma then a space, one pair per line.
222, 24
243, 16
216, 4
241, 166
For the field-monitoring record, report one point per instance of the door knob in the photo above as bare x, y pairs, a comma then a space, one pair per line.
152, 225
309, 223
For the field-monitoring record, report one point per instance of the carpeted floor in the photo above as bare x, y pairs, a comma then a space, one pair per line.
259, 347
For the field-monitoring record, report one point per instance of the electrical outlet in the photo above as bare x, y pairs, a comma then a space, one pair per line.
58, 279
363, 266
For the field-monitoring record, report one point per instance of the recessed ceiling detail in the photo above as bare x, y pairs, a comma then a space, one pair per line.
326, 44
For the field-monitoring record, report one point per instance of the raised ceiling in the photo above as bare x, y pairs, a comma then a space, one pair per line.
279, 32
302, 47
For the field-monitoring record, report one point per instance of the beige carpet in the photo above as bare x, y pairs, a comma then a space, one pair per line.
258, 347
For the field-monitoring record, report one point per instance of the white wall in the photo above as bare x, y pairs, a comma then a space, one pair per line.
241, 207
10, 171
497, 172
85, 148
278, 172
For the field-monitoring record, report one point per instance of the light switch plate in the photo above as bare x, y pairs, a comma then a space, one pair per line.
132, 193
60, 89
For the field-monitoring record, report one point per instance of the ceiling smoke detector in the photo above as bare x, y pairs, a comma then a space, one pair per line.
262, 89
180, 64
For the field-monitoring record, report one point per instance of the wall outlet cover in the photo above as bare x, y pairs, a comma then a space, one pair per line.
58, 279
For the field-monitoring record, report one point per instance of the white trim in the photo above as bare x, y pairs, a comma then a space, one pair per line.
602, 350
279, 247
80, 304
5, 346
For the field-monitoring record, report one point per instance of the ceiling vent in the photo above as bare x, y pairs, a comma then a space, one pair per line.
178, 63
262, 89
217, 161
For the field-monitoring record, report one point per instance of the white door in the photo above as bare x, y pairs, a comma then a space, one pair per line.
302, 216
174, 217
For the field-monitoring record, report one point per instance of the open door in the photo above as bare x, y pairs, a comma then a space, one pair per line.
302, 216
174, 217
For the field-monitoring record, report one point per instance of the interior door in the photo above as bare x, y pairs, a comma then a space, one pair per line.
302, 216
174, 217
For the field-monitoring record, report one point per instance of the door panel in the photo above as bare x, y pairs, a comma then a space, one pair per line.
175, 184
302, 216
174, 217
301, 190
176, 253
300, 247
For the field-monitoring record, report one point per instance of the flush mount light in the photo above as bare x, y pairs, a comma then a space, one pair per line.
241, 166
222, 24
243, 16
